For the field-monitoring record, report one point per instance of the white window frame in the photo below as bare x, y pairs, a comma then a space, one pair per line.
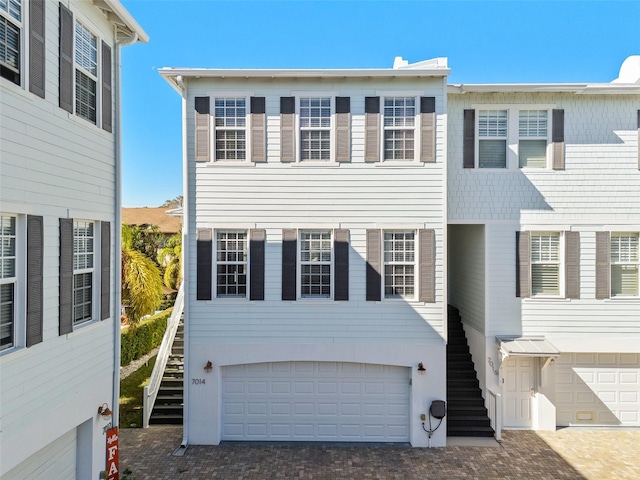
300, 128
632, 243
387, 128
513, 135
539, 137
321, 262
392, 263
223, 128
244, 262
20, 24
82, 268
546, 261
479, 139
79, 68
17, 280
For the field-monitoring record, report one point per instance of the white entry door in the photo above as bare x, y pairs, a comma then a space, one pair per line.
315, 401
518, 388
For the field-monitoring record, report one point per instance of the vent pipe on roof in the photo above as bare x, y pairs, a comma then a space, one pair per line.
400, 62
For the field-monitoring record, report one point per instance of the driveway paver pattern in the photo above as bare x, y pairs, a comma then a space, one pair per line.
564, 454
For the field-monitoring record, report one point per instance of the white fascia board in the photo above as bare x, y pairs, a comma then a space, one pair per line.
123, 17
578, 88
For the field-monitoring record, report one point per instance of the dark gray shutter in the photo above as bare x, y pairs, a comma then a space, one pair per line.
572, 264
36, 48
557, 138
204, 255
202, 129
603, 265
289, 260
469, 139
374, 265
258, 130
372, 129
287, 129
35, 258
341, 262
107, 110
65, 59
428, 129
427, 239
257, 240
523, 264
343, 129
105, 270
65, 301
638, 139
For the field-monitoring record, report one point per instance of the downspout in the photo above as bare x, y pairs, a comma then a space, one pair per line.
118, 225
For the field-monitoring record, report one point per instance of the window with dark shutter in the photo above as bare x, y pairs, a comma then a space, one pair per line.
372, 129
572, 264
341, 261
523, 264
107, 114
257, 243
202, 129
428, 129
258, 130
289, 260
638, 139
603, 265
374, 265
65, 302
204, 254
65, 59
427, 265
35, 256
36, 47
287, 129
105, 270
469, 139
343, 129
557, 138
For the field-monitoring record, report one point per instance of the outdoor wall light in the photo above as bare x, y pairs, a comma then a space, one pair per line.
104, 411
208, 367
421, 369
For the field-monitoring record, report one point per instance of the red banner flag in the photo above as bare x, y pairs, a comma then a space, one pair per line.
113, 468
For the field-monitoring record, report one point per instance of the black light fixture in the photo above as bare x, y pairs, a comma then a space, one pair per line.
104, 411
208, 367
421, 369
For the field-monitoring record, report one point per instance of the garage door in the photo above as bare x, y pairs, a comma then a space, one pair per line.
315, 401
598, 388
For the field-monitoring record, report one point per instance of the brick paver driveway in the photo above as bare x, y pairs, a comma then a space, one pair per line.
564, 454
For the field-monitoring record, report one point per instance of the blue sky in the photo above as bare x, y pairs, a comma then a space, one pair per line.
499, 42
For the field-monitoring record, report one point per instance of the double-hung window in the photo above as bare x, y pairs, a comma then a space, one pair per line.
8, 281
231, 261
315, 128
399, 128
315, 263
545, 263
399, 264
83, 271
492, 139
532, 145
230, 116
624, 264
11, 27
86, 73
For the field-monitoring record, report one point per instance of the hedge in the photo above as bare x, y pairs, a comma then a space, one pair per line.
144, 337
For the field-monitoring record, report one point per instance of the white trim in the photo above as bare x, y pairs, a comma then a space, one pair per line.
247, 263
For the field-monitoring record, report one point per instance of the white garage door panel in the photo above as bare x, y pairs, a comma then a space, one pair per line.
598, 388
326, 401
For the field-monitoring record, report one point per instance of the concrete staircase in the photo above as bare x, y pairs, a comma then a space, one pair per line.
466, 413
168, 408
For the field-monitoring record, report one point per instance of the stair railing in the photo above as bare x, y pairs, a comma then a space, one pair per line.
150, 392
495, 412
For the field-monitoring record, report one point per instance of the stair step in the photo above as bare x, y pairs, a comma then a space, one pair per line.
469, 431
166, 420
469, 420
469, 411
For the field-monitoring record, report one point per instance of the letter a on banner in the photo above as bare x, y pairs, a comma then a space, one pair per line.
113, 472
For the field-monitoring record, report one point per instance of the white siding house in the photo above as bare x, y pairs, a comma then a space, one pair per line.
314, 252
544, 218
59, 233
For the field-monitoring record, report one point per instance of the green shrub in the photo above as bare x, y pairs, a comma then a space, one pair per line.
136, 341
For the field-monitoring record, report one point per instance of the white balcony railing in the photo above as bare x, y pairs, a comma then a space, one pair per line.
495, 412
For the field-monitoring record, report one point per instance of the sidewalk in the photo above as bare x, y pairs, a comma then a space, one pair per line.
565, 454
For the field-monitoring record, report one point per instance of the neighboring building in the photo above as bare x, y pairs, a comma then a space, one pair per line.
168, 220
59, 217
314, 252
544, 217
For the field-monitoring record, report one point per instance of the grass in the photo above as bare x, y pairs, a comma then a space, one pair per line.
131, 395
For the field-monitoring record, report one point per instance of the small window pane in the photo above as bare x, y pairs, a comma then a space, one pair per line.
85, 97
493, 153
6, 316
533, 153
492, 123
624, 280
532, 123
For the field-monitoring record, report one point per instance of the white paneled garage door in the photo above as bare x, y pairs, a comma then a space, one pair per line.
598, 388
315, 401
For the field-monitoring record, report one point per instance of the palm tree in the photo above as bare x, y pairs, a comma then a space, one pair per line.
170, 257
141, 281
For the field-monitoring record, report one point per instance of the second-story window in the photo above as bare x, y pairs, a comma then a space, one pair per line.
399, 128
532, 145
545, 263
315, 128
83, 269
230, 128
7, 280
86, 61
399, 264
625, 262
10, 41
231, 261
492, 139
315, 263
